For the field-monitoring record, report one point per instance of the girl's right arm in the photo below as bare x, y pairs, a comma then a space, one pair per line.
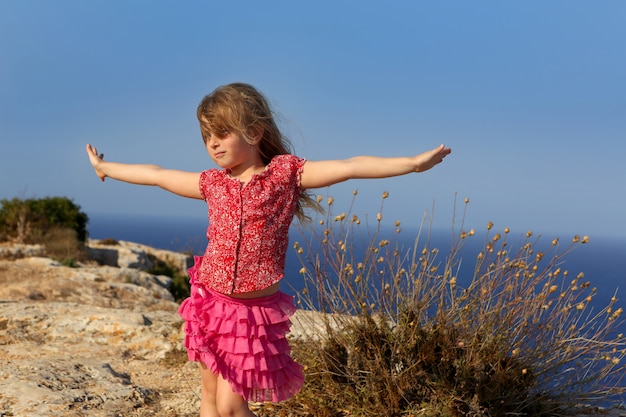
183, 183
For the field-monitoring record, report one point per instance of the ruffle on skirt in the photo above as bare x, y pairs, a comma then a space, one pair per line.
243, 340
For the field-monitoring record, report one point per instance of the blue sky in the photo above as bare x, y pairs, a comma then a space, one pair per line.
530, 95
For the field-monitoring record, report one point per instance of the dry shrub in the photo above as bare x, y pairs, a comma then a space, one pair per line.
61, 244
404, 337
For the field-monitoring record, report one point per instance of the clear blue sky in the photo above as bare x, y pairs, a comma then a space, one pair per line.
530, 95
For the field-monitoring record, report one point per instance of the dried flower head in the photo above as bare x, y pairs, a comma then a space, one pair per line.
340, 217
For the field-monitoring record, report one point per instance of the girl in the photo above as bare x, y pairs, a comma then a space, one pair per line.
236, 319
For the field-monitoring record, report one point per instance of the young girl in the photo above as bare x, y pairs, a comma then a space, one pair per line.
236, 317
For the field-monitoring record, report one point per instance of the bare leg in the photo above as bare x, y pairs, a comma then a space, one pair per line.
218, 398
230, 404
208, 406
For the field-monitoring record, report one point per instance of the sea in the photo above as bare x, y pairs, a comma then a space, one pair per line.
602, 260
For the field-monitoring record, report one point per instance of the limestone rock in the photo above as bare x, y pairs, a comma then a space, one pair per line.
125, 254
102, 340
91, 341
15, 251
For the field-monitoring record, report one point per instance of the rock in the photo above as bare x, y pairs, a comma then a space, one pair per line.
125, 254
97, 340
94, 340
15, 251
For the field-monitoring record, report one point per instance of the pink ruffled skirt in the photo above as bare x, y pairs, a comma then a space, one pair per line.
243, 341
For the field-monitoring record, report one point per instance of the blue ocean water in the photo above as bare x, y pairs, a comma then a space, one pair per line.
602, 260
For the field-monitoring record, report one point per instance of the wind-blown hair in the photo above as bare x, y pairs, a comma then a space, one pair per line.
242, 109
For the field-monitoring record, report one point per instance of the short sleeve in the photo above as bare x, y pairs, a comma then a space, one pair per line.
301, 162
205, 183
288, 168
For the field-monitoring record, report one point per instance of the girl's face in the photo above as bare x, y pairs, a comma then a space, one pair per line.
231, 151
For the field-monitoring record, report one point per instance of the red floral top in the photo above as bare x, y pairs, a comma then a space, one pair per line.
249, 225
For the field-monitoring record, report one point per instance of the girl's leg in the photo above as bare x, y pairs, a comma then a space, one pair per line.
208, 406
230, 404
218, 399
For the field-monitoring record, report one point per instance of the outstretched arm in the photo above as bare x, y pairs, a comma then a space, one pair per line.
178, 182
316, 174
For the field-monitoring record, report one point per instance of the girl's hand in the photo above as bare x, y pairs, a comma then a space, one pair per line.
427, 160
96, 160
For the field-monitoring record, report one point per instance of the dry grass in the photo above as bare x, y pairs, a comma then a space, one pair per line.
520, 337
62, 244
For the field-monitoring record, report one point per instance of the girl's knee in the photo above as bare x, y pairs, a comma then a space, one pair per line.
218, 395
229, 404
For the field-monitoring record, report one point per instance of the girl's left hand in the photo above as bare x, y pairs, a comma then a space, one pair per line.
429, 159
95, 160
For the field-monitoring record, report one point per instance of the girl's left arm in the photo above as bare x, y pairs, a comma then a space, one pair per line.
317, 174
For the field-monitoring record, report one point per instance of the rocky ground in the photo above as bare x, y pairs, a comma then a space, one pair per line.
97, 340
91, 341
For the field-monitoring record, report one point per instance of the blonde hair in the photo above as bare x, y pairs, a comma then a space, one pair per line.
241, 108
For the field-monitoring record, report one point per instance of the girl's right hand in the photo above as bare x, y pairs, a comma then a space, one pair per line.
96, 160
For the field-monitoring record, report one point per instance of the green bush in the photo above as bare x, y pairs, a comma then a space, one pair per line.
57, 223
403, 337
26, 221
